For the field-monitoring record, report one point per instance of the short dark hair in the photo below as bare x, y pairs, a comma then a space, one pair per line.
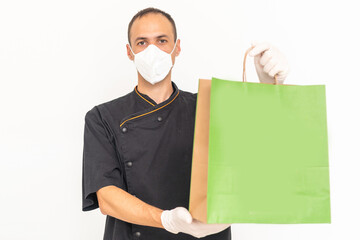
155, 11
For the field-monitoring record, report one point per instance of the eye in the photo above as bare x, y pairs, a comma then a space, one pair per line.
163, 41
141, 43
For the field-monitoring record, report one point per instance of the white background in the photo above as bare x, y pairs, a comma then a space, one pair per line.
60, 58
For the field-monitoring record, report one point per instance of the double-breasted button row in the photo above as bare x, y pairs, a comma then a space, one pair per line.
124, 129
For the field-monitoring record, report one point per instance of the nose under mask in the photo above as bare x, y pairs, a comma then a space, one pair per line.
153, 64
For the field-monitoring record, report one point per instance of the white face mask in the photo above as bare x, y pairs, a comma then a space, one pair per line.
153, 64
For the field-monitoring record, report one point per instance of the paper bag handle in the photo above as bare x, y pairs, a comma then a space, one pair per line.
244, 62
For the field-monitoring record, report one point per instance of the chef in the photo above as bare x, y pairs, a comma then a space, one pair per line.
137, 153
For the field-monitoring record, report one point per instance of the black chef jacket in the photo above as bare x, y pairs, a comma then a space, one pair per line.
144, 148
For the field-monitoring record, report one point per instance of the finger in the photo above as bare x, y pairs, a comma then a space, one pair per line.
259, 48
208, 226
266, 57
275, 70
185, 215
269, 65
208, 229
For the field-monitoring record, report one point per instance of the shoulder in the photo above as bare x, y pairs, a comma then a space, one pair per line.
105, 110
187, 97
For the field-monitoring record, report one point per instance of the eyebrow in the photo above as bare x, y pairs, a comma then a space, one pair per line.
144, 38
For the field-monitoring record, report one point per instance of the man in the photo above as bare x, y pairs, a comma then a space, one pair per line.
138, 147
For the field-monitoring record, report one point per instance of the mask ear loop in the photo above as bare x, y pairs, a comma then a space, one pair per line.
132, 50
174, 47
173, 50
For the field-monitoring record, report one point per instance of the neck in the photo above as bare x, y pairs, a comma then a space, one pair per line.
159, 92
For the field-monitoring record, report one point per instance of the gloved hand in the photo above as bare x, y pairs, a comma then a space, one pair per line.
180, 220
268, 62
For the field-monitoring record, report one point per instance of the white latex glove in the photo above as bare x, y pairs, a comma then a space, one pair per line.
180, 220
268, 62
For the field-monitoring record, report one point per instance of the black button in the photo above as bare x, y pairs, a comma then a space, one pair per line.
129, 164
137, 234
159, 119
124, 129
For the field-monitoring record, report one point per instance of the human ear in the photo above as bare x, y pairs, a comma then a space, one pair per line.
129, 52
178, 48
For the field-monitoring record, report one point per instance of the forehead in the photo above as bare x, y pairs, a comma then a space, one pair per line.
151, 25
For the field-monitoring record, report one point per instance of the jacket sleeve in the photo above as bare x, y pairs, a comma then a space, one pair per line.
101, 166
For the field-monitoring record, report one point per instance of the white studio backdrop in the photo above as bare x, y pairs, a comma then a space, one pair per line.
58, 59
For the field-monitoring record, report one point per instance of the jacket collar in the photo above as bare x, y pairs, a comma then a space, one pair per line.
145, 98
153, 107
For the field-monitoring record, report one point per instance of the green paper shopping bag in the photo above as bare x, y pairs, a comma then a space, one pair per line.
267, 154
